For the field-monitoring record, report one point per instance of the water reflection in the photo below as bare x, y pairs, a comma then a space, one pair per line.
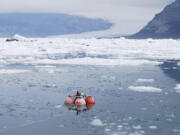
171, 69
79, 108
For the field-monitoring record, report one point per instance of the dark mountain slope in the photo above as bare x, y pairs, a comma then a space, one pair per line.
164, 25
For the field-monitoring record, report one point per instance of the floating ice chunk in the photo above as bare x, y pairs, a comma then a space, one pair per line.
174, 68
171, 115
144, 89
144, 80
2, 62
178, 64
45, 66
169, 119
96, 122
96, 61
18, 37
176, 130
177, 91
142, 131
107, 129
51, 71
177, 87
50, 86
58, 106
13, 71
119, 127
153, 127
138, 127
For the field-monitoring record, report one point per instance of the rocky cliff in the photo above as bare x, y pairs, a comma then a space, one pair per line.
164, 25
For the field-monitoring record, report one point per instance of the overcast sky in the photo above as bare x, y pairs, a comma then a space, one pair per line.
128, 15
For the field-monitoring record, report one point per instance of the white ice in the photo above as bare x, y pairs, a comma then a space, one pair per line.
145, 89
96, 122
144, 80
123, 52
153, 127
58, 106
177, 88
138, 127
96, 61
13, 71
19, 37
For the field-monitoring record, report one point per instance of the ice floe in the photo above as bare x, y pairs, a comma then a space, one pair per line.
95, 61
119, 127
176, 130
107, 129
144, 80
96, 122
50, 69
153, 127
58, 106
145, 89
177, 88
171, 115
138, 127
13, 71
89, 51
19, 37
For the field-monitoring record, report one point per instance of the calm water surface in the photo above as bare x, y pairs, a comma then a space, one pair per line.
31, 103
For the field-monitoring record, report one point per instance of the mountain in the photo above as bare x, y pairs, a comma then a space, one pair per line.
47, 24
164, 25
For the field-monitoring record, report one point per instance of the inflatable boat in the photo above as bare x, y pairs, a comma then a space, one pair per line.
79, 99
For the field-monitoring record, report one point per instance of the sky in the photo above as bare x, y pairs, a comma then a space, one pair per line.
128, 16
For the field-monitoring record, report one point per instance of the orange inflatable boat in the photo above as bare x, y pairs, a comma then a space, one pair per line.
79, 99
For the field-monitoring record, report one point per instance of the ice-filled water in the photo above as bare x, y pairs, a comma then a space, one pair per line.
135, 84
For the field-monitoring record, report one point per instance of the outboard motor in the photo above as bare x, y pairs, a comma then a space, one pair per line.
79, 100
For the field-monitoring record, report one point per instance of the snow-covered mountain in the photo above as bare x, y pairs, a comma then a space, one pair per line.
43, 24
164, 25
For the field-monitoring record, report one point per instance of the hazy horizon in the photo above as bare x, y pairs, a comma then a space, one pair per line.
128, 17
